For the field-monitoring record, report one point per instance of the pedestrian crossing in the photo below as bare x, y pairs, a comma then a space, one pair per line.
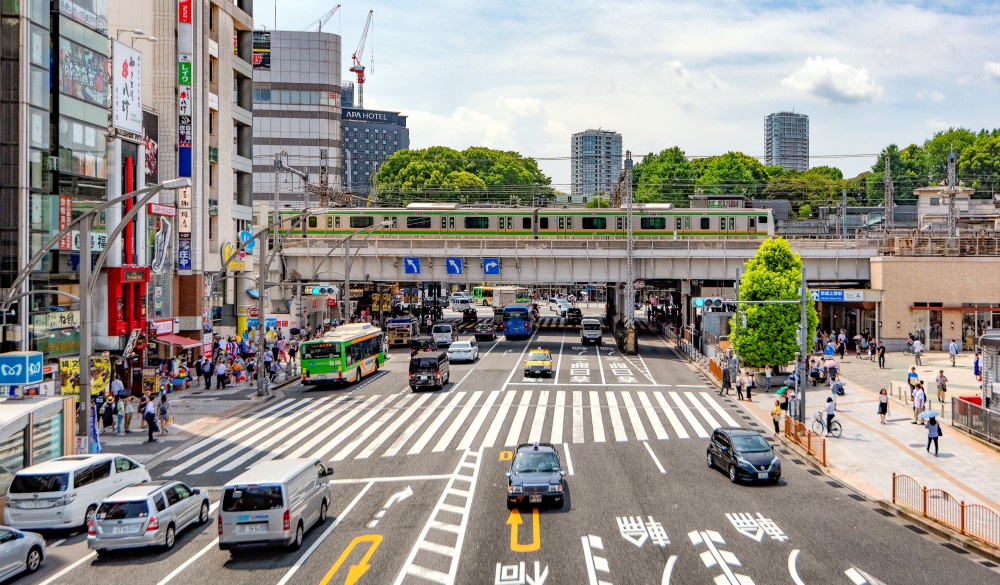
544, 322
343, 427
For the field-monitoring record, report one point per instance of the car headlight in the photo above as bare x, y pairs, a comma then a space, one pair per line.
515, 489
556, 488
744, 462
775, 462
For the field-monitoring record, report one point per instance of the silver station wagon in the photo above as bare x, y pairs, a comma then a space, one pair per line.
149, 514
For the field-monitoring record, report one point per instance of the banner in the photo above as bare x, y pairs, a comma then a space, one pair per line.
151, 131
69, 375
126, 88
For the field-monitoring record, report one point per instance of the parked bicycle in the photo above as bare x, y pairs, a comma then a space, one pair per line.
908, 350
819, 425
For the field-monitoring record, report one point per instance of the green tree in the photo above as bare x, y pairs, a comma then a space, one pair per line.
815, 187
733, 172
936, 149
770, 335
666, 177
598, 201
980, 164
806, 211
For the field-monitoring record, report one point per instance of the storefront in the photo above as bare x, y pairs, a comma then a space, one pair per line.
856, 311
33, 430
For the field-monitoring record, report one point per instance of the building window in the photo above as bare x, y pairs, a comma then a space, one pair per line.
211, 175
213, 64
213, 17
211, 122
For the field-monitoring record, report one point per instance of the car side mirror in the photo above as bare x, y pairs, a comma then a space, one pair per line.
196, 491
507, 474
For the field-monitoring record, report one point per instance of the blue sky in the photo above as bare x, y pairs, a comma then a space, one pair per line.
524, 75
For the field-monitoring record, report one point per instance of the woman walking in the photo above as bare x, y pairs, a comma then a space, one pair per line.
739, 385
165, 413
130, 411
776, 416
933, 432
883, 404
120, 416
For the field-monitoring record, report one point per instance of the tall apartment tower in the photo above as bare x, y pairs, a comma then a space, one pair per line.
786, 140
595, 164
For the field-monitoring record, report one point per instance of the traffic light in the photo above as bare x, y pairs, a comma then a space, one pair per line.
322, 289
707, 303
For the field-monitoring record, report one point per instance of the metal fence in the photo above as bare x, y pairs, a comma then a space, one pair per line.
979, 421
814, 444
973, 520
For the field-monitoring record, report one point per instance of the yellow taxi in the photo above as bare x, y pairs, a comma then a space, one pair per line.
539, 363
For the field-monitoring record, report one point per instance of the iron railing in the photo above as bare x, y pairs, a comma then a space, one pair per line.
979, 421
973, 520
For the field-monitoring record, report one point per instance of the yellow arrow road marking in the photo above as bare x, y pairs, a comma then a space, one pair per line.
355, 571
506, 455
514, 520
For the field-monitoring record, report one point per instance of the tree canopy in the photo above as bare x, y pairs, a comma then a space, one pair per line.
733, 172
667, 177
769, 337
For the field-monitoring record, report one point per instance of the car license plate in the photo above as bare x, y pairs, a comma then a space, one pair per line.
119, 530
762, 475
259, 527
534, 499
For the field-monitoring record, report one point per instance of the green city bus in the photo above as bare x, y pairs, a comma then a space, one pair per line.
345, 355
482, 295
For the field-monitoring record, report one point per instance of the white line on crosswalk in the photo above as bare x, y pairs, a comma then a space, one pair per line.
577, 416
647, 406
288, 402
557, 418
518, 422
700, 408
411, 429
457, 423
477, 423
617, 424
698, 429
332, 425
370, 430
717, 408
668, 411
596, 418
369, 413
633, 416
401, 417
436, 424
535, 434
494, 430
562, 342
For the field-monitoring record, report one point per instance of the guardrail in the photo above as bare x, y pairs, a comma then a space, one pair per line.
974, 419
975, 520
798, 433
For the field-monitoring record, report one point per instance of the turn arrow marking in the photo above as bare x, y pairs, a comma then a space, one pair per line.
355, 571
514, 520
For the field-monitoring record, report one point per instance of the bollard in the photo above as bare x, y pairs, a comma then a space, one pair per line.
893, 487
924, 488
962, 508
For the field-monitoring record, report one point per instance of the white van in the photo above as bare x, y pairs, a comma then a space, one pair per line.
65, 492
444, 334
459, 304
590, 331
273, 503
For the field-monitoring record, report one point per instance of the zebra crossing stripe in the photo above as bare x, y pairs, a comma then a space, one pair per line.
617, 425
633, 415
668, 411
371, 429
401, 417
647, 406
577, 416
350, 411
288, 402
369, 413
411, 429
717, 408
494, 430
557, 418
436, 424
698, 429
324, 420
457, 423
477, 423
712, 423
535, 434
596, 418
518, 422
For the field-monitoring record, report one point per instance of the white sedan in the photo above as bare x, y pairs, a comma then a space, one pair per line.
20, 552
463, 351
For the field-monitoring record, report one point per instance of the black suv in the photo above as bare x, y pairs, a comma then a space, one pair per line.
419, 344
429, 370
535, 476
574, 316
743, 454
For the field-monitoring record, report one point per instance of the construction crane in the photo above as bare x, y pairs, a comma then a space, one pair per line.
358, 67
323, 19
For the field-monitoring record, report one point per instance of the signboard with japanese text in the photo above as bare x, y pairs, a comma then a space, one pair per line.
92, 13
185, 131
184, 221
126, 88
184, 197
261, 49
62, 319
184, 12
65, 218
157, 209
69, 375
184, 254
97, 241
184, 101
184, 72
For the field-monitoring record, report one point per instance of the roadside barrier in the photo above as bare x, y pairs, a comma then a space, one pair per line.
975, 520
974, 419
798, 433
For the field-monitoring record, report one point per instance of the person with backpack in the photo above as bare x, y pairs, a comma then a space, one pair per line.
149, 418
164, 414
108, 413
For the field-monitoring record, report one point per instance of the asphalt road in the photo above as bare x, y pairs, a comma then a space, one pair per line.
419, 488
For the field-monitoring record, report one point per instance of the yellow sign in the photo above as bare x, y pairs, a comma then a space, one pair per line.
506, 455
355, 571
240, 263
69, 375
536, 537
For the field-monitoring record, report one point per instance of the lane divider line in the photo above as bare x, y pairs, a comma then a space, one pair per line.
569, 460
653, 455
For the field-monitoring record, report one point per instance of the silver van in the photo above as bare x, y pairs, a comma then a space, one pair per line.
148, 514
590, 331
273, 503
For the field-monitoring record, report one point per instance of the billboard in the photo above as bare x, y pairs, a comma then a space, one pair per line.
69, 375
92, 13
83, 73
151, 136
126, 88
261, 49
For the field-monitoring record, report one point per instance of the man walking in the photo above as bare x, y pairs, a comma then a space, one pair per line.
149, 416
918, 349
842, 344
881, 355
912, 379
942, 385
953, 352
919, 399
220, 375
117, 387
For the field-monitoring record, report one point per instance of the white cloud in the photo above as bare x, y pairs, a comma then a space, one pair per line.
835, 81
520, 106
992, 69
931, 95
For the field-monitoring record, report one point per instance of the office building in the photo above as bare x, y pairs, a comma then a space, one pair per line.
296, 111
347, 95
370, 136
786, 141
596, 162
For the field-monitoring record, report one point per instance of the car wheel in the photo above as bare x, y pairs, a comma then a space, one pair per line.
711, 464
89, 516
169, 539
34, 560
510, 505
322, 512
297, 543
203, 513
732, 473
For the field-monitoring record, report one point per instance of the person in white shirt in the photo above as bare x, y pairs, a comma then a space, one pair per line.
953, 352
830, 409
919, 400
918, 349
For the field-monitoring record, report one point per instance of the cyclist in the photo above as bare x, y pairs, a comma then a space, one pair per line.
830, 408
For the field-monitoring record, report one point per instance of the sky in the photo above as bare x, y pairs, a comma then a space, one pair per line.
524, 75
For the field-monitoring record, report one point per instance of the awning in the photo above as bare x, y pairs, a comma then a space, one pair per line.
181, 342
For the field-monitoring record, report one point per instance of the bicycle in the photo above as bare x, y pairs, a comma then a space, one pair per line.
819, 425
908, 350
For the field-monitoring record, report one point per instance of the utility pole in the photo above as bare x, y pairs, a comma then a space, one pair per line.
629, 300
324, 179
86, 329
952, 204
843, 210
889, 204
800, 375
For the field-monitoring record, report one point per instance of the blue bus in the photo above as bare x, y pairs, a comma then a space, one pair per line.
517, 321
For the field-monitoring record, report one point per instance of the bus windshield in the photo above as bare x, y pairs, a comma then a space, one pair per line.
320, 350
516, 313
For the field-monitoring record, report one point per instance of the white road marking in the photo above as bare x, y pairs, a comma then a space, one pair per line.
369, 412
76, 564
387, 479
518, 422
56, 543
577, 416
436, 424
645, 369
596, 417
494, 430
668, 570
617, 424
555, 375
792, 570
633, 415
718, 409
654, 420
370, 430
855, 576
698, 429
411, 429
336, 522
477, 423
594, 384
519, 364
600, 364
653, 455
288, 402
401, 417
557, 418
569, 459
712, 423
457, 423
535, 434
668, 411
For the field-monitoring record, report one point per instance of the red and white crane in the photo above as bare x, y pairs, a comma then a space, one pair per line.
358, 68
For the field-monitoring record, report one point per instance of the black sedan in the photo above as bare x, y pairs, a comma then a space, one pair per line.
743, 454
535, 476
486, 332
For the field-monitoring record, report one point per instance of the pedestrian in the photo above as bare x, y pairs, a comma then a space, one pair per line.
953, 352
120, 415
143, 402
918, 350
919, 400
776, 416
149, 417
881, 355
911, 378
726, 383
293, 347
740, 381
942, 385
220, 375
130, 410
976, 367
749, 383
117, 387
165, 414
842, 344
933, 433
767, 379
108, 413
207, 370
273, 371
883, 404
831, 370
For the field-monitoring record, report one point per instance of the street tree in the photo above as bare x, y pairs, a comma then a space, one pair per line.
980, 162
667, 177
770, 334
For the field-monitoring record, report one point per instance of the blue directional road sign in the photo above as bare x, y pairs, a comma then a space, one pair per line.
827, 295
491, 266
454, 265
19, 368
411, 265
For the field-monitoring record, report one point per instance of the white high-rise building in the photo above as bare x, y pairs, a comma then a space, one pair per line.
786, 141
596, 162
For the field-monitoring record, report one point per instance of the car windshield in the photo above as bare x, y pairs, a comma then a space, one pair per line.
538, 356
122, 510
591, 326
536, 463
251, 498
750, 444
461, 345
442, 329
33, 484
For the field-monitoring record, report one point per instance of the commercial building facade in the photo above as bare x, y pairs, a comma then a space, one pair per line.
786, 141
370, 136
596, 162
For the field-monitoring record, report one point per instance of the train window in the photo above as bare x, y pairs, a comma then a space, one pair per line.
705, 223
543, 223
336, 222
653, 223
677, 223
594, 223
362, 221
618, 223
451, 223
687, 223
762, 220
510, 223
526, 223
444, 222
312, 221
418, 223
732, 223
478, 223
562, 223
329, 221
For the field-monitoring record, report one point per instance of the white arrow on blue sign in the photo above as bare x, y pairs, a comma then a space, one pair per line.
411, 265
491, 266
454, 265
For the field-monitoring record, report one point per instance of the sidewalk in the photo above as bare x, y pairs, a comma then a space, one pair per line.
196, 410
868, 452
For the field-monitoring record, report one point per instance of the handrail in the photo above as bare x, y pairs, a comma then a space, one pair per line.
975, 520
